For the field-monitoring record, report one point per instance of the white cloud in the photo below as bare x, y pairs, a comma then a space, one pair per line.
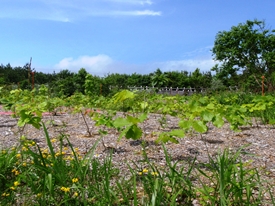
141, 2
71, 10
204, 64
93, 64
137, 13
103, 64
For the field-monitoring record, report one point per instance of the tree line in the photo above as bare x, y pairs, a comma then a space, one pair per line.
66, 82
246, 56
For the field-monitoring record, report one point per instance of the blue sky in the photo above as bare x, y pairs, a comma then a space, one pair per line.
120, 36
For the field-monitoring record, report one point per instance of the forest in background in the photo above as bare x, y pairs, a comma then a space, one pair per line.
246, 56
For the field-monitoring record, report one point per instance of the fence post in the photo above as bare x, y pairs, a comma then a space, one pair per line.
262, 85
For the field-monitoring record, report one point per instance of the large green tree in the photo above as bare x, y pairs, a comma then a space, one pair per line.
247, 49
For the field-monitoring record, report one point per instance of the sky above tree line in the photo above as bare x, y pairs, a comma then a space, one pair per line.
120, 36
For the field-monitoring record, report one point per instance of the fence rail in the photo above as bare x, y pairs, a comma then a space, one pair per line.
173, 91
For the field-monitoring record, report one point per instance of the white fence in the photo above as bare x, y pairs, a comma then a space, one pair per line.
173, 91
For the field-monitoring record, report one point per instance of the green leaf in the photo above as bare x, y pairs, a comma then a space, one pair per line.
185, 124
199, 126
21, 122
143, 105
166, 137
134, 132
132, 119
207, 116
177, 133
272, 121
35, 122
211, 106
218, 121
142, 117
123, 133
121, 122
123, 95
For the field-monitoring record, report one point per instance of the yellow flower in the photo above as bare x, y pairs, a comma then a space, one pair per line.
65, 189
65, 148
53, 140
70, 158
5, 194
75, 194
12, 188
24, 148
44, 151
15, 171
57, 154
16, 183
4, 152
74, 180
38, 195
24, 164
145, 170
140, 173
154, 173
18, 155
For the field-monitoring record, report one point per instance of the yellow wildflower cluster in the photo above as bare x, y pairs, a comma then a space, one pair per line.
12, 188
74, 180
65, 189
24, 149
5, 194
16, 183
59, 153
38, 195
32, 143
15, 171
53, 140
145, 171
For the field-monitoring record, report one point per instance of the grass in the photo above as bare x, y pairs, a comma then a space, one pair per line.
230, 182
59, 175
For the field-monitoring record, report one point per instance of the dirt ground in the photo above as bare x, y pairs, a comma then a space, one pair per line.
259, 152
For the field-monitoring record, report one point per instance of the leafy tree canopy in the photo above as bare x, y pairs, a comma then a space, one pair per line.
247, 48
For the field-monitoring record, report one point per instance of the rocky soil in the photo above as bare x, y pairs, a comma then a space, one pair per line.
259, 141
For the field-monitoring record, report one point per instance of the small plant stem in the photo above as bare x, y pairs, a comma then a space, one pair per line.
88, 130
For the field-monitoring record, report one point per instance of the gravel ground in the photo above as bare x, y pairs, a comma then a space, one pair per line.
258, 138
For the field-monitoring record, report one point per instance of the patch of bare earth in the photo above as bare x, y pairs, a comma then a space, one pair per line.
260, 141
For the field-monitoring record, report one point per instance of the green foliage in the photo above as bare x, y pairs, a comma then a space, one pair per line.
48, 177
160, 79
26, 117
248, 47
92, 85
232, 183
122, 96
165, 137
129, 126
